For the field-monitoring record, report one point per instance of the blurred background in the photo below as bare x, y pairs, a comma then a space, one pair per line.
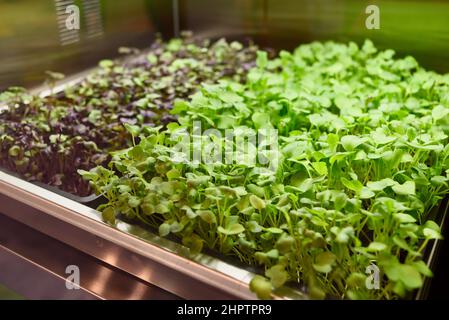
33, 36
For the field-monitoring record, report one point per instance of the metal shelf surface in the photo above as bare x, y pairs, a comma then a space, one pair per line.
40, 267
128, 248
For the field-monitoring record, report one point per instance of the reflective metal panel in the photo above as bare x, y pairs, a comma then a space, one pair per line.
37, 266
34, 36
150, 258
418, 28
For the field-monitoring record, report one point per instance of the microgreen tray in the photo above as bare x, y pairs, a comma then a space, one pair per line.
47, 136
91, 200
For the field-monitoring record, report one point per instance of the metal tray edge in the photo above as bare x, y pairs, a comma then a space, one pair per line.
202, 267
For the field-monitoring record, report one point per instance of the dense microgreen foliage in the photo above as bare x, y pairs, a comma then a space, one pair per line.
48, 139
363, 160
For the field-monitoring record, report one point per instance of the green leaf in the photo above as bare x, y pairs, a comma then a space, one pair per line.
404, 218
258, 191
173, 174
351, 142
261, 286
320, 167
176, 227
340, 201
167, 188
285, 244
305, 185
253, 227
142, 103
189, 212
134, 202
261, 257
274, 230
273, 254
261, 120
408, 188
164, 229
410, 276
152, 58
207, 215
345, 234
379, 137
194, 243
105, 64
174, 45
235, 228
262, 59
366, 193
134, 130
108, 215
333, 140
14, 151
343, 102
356, 280
277, 275
316, 293
439, 181
257, 202
377, 246
180, 106
88, 175
353, 185
440, 112
381, 185
422, 268
432, 225
94, 116
324, 261
432, 234
230, 97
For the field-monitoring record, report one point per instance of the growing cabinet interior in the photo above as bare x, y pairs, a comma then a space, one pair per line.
250, 149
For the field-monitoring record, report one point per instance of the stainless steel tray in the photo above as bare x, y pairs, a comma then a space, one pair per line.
159, 261
132, 249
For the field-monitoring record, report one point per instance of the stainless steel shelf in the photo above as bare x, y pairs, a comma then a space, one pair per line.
127, 248
36, 265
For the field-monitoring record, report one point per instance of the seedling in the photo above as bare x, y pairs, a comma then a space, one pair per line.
364, 157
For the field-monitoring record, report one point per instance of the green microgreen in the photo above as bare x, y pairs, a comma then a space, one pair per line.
91, 115
363, 160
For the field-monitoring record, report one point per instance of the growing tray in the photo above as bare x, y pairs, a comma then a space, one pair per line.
127, 247
58, 89
92, 200
53, 201
431, 252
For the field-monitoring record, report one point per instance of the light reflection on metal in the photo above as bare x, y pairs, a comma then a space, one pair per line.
66, 35
159, 261
101, 280
68, 18
31, 259
92, 16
